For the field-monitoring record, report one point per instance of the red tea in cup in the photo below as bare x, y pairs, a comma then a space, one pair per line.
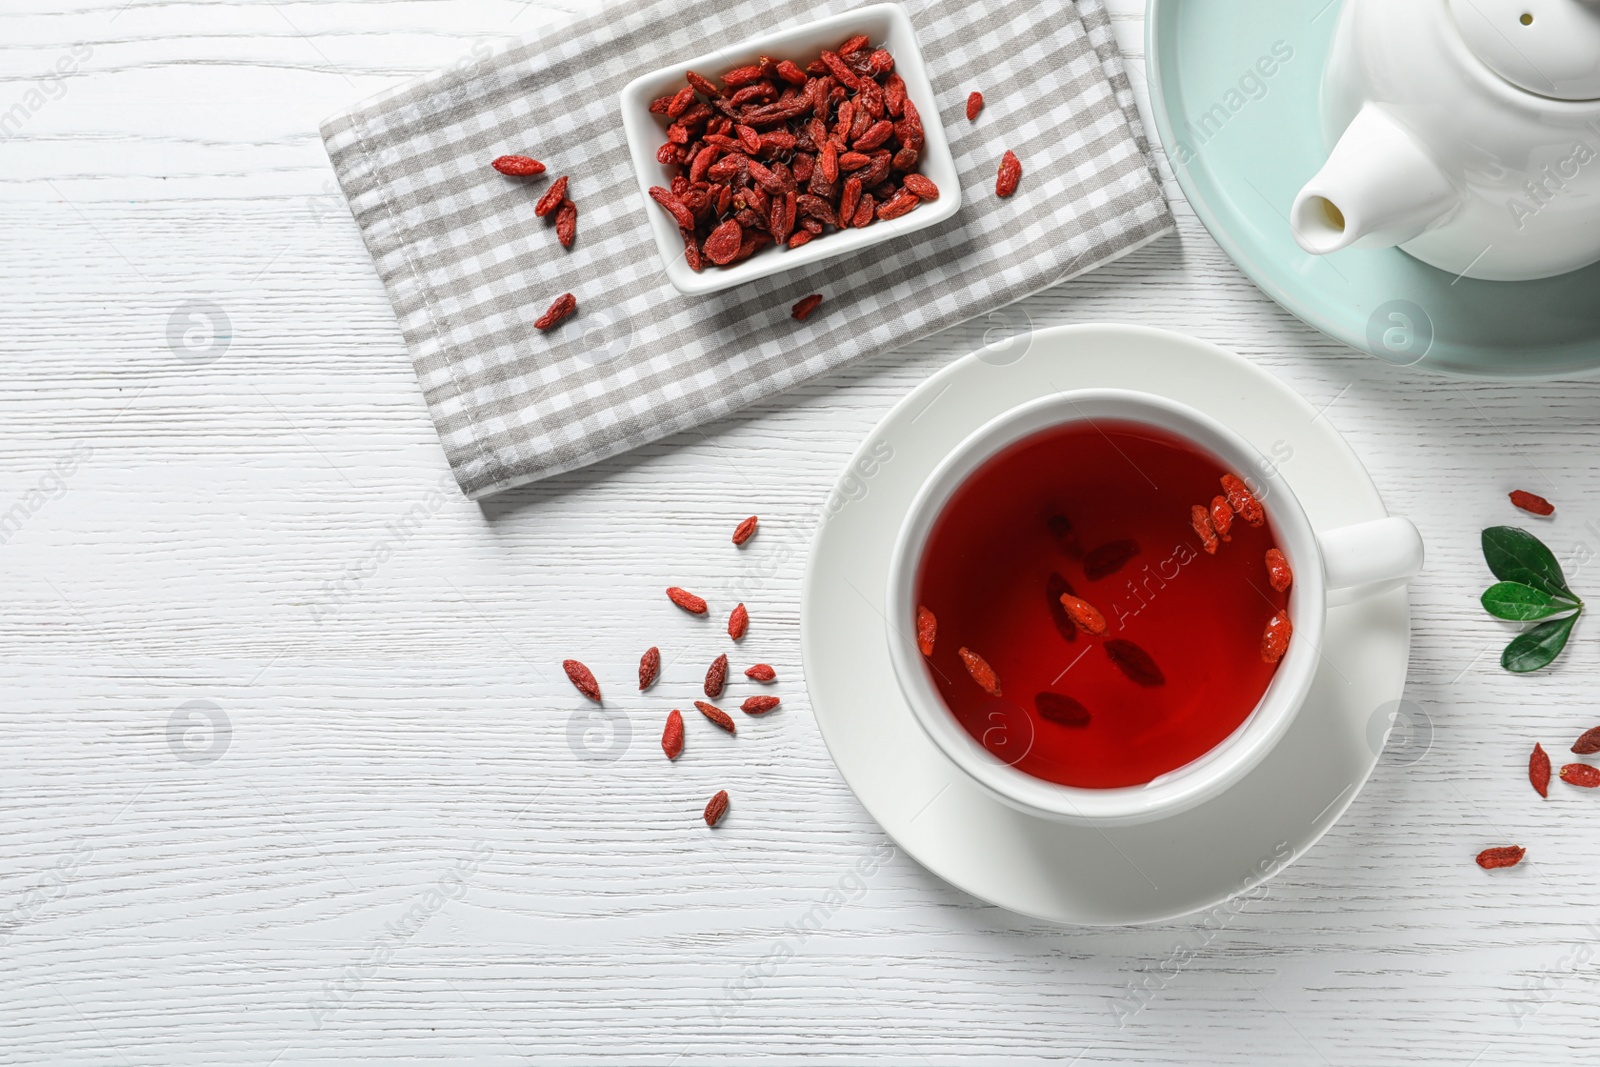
1158, 651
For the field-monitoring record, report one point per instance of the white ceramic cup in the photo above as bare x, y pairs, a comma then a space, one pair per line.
1353, 561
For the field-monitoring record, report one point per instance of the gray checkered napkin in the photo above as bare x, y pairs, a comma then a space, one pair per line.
468, 266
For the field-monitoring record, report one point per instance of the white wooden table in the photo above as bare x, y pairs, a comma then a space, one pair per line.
287, 768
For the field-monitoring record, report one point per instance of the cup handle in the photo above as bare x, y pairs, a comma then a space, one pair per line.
1370, 558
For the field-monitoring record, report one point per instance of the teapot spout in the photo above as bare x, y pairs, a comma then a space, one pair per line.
1379, 188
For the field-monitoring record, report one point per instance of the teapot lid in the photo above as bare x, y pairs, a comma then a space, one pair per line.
1549, 47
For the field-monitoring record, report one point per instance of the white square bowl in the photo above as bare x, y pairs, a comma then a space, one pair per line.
887, 26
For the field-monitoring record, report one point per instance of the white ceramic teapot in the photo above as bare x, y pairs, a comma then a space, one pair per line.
1465, 131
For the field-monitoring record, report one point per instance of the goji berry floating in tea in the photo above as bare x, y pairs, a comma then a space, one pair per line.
1278, 572
1275, 639
518, 166
1010, 173
1084, 615
1135, 663
1536, 505
564, 305
1061, 710
738, 622
745, 530
1108, 559
686, 600
1505, 856
1200, 520
1242, 500
1539, 770
1221, 517
583, 678
768, 151
1583, 775
980, 671
927, 630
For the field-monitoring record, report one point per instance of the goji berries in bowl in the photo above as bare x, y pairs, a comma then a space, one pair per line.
789, 149
1106, 607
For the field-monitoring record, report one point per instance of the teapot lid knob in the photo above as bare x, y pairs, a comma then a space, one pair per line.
1549, 47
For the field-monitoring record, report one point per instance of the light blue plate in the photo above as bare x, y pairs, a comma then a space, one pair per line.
1243, 142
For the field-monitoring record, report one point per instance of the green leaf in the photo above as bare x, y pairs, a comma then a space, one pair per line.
1517, 556
1535, 648
1523, 603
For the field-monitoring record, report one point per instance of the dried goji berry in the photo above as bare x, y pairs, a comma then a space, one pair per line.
899, 204
1504, 856
1010, 173
1589, 743
1108, 559
1581, 774
649, 667
1536, 505
583, 678
716, 808
724, 243
921, 186
865, 211
1200, 519
1084, 615
1539, 770
1242, 500
758, 705
974, 105
854, 45
1278, 572
552, 197
738, 622
567, 223
675, 207
680, 102
518, 166
980, 671
701, 85
1061, 710
716, 676
927, 630
716, 715
745, 530
1135, 663
789, 72
564, 305
760, 673
1275, 638
672, 734
805, 306
849, 201
686, 600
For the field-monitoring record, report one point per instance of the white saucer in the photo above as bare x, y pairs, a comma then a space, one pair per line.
1070, 874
